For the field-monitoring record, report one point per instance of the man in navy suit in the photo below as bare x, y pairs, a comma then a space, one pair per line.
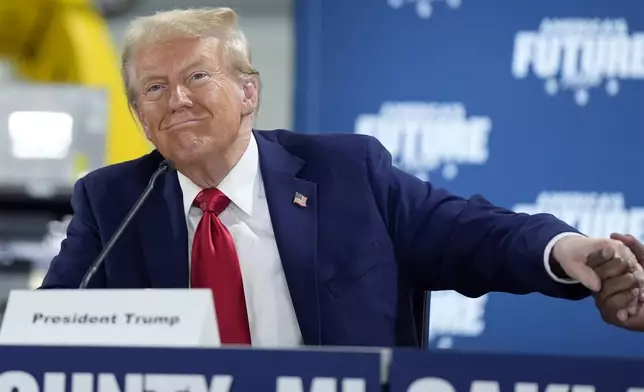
303, 239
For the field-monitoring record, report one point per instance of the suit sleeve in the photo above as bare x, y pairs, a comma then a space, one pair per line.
79, 249
446, 242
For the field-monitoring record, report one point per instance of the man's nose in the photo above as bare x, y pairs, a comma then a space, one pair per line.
180, 98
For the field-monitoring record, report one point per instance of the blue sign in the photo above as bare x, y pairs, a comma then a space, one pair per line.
415, 371
537, 105
78, 369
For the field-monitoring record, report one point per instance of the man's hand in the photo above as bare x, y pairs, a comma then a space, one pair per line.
621, 299
572, 254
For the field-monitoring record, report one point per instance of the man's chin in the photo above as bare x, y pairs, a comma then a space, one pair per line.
188, 154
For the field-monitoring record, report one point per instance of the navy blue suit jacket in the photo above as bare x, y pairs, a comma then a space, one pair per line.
357, 259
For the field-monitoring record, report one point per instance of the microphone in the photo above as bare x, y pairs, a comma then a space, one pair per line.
165, 166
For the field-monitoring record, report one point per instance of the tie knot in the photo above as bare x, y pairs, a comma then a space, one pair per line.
212, 200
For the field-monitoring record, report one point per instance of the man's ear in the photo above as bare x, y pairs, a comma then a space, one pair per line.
250, 98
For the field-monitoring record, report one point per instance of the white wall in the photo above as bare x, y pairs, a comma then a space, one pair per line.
269, 27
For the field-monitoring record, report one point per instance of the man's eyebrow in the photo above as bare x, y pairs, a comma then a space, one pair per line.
146, 76
192, 64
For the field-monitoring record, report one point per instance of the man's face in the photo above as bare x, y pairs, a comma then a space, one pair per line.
189, 105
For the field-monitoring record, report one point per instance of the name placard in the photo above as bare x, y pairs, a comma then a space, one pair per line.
168, 318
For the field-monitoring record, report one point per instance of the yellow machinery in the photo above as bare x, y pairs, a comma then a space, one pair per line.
67, 41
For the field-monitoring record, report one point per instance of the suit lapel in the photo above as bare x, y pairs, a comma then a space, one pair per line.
295, 230
164, 235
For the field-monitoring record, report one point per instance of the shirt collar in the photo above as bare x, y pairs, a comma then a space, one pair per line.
238, 185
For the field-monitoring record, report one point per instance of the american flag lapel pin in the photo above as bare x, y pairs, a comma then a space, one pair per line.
300, 200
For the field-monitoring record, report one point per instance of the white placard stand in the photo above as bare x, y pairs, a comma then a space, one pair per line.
164, 317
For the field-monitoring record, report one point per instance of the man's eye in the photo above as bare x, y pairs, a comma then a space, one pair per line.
199, 75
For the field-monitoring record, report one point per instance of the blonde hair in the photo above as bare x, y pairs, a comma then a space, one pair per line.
219, 22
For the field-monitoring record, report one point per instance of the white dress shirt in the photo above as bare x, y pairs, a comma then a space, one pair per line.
271, 314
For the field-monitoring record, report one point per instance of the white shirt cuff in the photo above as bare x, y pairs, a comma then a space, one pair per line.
546, 258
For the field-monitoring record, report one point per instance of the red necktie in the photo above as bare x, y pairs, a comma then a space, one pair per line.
215, 266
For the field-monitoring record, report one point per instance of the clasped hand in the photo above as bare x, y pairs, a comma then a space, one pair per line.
613, 270
621, 297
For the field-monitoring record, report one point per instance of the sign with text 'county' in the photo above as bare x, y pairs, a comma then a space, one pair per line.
93, 369
536, 104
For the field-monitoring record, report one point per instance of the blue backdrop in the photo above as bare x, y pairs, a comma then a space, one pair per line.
535, 104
